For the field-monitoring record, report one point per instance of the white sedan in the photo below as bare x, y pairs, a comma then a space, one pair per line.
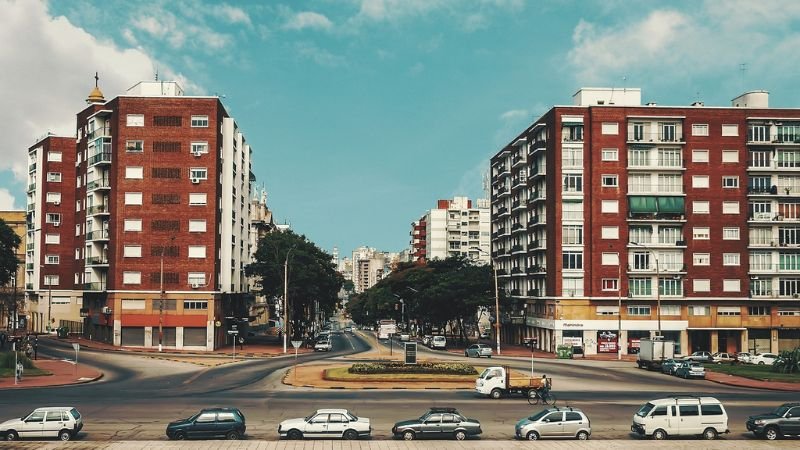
326, 423
323, 346
764, 359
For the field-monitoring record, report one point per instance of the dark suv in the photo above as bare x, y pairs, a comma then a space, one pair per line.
211, 422
783, 421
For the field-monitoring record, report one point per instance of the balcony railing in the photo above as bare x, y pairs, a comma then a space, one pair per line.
103, 157
31, 187
96, 260
99, 209
655, 137
517, 248
97, 235
32, 167
99, 132
97, 184
94, 286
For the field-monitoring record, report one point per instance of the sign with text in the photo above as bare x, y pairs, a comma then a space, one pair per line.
411, 353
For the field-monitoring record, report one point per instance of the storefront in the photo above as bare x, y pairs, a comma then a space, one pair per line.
607, 341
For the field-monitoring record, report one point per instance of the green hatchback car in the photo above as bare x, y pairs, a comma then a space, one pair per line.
438, 423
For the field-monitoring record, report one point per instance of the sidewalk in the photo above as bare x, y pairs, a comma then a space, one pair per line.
521, 351
63, 373
261, 348
733, 380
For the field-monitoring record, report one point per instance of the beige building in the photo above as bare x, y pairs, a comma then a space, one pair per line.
14, 292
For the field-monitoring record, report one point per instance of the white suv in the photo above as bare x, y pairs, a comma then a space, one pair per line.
62, 422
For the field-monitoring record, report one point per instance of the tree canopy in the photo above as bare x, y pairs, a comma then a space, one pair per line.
9, 243
313, 280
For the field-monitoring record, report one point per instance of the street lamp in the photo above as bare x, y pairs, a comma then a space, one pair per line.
658, 282
402, 311
496, 298
286, 296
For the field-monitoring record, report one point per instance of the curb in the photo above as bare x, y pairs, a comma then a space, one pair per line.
91, 380
243, 355
356, 388
765, 388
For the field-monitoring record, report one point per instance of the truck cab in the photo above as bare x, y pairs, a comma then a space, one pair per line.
497, 381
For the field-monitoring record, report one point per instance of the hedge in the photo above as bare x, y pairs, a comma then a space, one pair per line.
389, 367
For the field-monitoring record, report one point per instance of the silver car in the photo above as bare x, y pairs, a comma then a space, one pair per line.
478, 350
564, 422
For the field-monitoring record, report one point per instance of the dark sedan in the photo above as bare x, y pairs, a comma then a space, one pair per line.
438, 423
209, 423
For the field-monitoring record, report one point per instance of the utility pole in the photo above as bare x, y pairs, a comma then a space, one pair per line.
496, 297
286, 297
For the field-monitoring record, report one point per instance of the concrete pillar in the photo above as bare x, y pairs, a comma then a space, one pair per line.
210, 336
178, 338
117, 333
148, 336
623, 341
773, 340
714, 341
590, 342
743, 340
685, 343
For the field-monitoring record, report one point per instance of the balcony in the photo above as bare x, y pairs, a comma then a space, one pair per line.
771, 190
97, 210
518, 182
97, 184
31, 207
32, 167
773, 138
100, 158
99, 132
96, 261
658, 137
94, 286
501, 191
537, 270
31, 187
98, 235
502, 171
514, 293
502, 273
30, 246
517, 160
537, 146
516, 228
503, 211
517, 248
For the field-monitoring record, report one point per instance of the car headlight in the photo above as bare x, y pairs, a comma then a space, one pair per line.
760, 422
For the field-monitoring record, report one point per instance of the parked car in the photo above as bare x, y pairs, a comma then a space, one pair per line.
478, 350
348, 329
323, 345
723, 357
700, 357
743, 357
484, 334
426, 340
764, 359
208, 423
326, 423
439, 343
61, 422
681, 416
669, 365
690, 369
783, 421
563, 422
438, 423
405, 337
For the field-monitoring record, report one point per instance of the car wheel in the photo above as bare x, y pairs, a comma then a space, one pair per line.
659, 435
771, 433
496, 394
460, 435
533, 436
12, 436
409, 435
761, 363
489, 356
350, 435
180, 435
294, 435
232, 436
710, 434
64, 435
582, 436
466, 354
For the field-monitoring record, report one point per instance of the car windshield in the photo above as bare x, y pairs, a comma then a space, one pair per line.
645, 410
538, 415
484, 373
351, 417
780, 411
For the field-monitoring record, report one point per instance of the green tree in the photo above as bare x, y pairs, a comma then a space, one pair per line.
313, 283
9, 244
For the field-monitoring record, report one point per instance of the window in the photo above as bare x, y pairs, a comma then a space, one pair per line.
198, 173
699, 129
611, 128
699, 156
610, 259
670, 157
51, 280
700, 181
197, 199
573, 183
638, 131
51, 259
638, 310
133, 225
730, 129
199, 121
131, 278
730, 207
639, 287
572, 286
688, 410
572, 211
758, 310
195, 304
197, 251
210, 417
695, 310
135, 120
199, 148
52, 239
54, 197
730, 233
730, 156
700, 207
134, 146
128, 303
54, 156
609, 154
730, 182
167, 121
659, 411
53, 218
670, 286
710, 410
730, 259
640, 234
134, 173
572, 260
610, 284
572, 235
197, 278
609, 233
609, 206
729, 311
699, 285
788, 312
670, 310
132, 251
731, 285
197, 226
54, 177
572, 157
133, 198
701, 259
609, 181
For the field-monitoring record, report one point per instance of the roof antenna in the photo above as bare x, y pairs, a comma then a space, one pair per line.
156, 73
742, 70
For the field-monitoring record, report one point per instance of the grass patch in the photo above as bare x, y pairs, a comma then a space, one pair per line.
7, 366
344, 374
425, 367
755, 372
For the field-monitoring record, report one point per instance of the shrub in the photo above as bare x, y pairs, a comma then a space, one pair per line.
788, 361
390, 367
7, 360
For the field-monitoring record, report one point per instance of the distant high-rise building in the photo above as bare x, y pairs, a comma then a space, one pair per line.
454, 228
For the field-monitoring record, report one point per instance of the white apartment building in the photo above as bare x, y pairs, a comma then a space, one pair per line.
455, 227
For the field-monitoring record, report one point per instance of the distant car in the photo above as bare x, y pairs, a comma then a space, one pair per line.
484, 334
426, 340
700, 357
348, 329
61, 422
764, 359
783, 421
439, 343
564, 422
723, 357
743, 357
208, 423
438, 423
690, 369
669, 366
405, 337
478, 350
323, 345
326, 423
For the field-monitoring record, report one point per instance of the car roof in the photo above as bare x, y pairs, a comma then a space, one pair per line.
791, 404
332, 410
437, 409
53, 408
685, 399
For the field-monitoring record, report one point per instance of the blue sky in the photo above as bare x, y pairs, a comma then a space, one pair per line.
362, 113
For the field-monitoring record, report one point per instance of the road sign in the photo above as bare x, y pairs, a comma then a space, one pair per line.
234, 332
297, 344
411, 353
76, 346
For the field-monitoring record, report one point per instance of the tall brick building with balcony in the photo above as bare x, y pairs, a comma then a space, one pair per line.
158, 238
614, 221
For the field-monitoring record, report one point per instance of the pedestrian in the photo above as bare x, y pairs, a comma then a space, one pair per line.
3, 338
36, 347
241, 343
20, 368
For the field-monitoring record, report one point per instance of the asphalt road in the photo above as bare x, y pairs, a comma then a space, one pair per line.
139, 395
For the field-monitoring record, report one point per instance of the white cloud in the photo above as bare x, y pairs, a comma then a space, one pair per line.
6, 200
416, 69
474, 17
178, 32
514, 114
232, 14
320, 56
308, 19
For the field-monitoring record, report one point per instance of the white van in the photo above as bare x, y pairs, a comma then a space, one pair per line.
439, 342
681, 416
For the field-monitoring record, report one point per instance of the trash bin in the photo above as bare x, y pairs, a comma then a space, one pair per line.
564, 352
62, 331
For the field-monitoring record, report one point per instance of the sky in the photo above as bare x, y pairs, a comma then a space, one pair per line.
362, 113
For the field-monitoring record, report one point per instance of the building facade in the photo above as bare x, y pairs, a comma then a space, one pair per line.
613, 221
155, 247
14, 315
454, 228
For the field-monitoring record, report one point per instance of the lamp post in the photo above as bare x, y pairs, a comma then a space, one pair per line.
286, 297
619, 312
496, 298
658, 282
49, 280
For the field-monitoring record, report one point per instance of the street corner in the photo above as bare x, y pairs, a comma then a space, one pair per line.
58, 373
743, 382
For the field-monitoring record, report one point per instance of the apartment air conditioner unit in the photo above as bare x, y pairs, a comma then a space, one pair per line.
106, 310
197, 152
56, 203
195, 180
195, 285
56, 224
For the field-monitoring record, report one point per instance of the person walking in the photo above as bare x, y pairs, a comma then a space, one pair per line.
36, 347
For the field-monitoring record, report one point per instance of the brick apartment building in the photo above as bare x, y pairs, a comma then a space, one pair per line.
454, 228
145, 220
606, 209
